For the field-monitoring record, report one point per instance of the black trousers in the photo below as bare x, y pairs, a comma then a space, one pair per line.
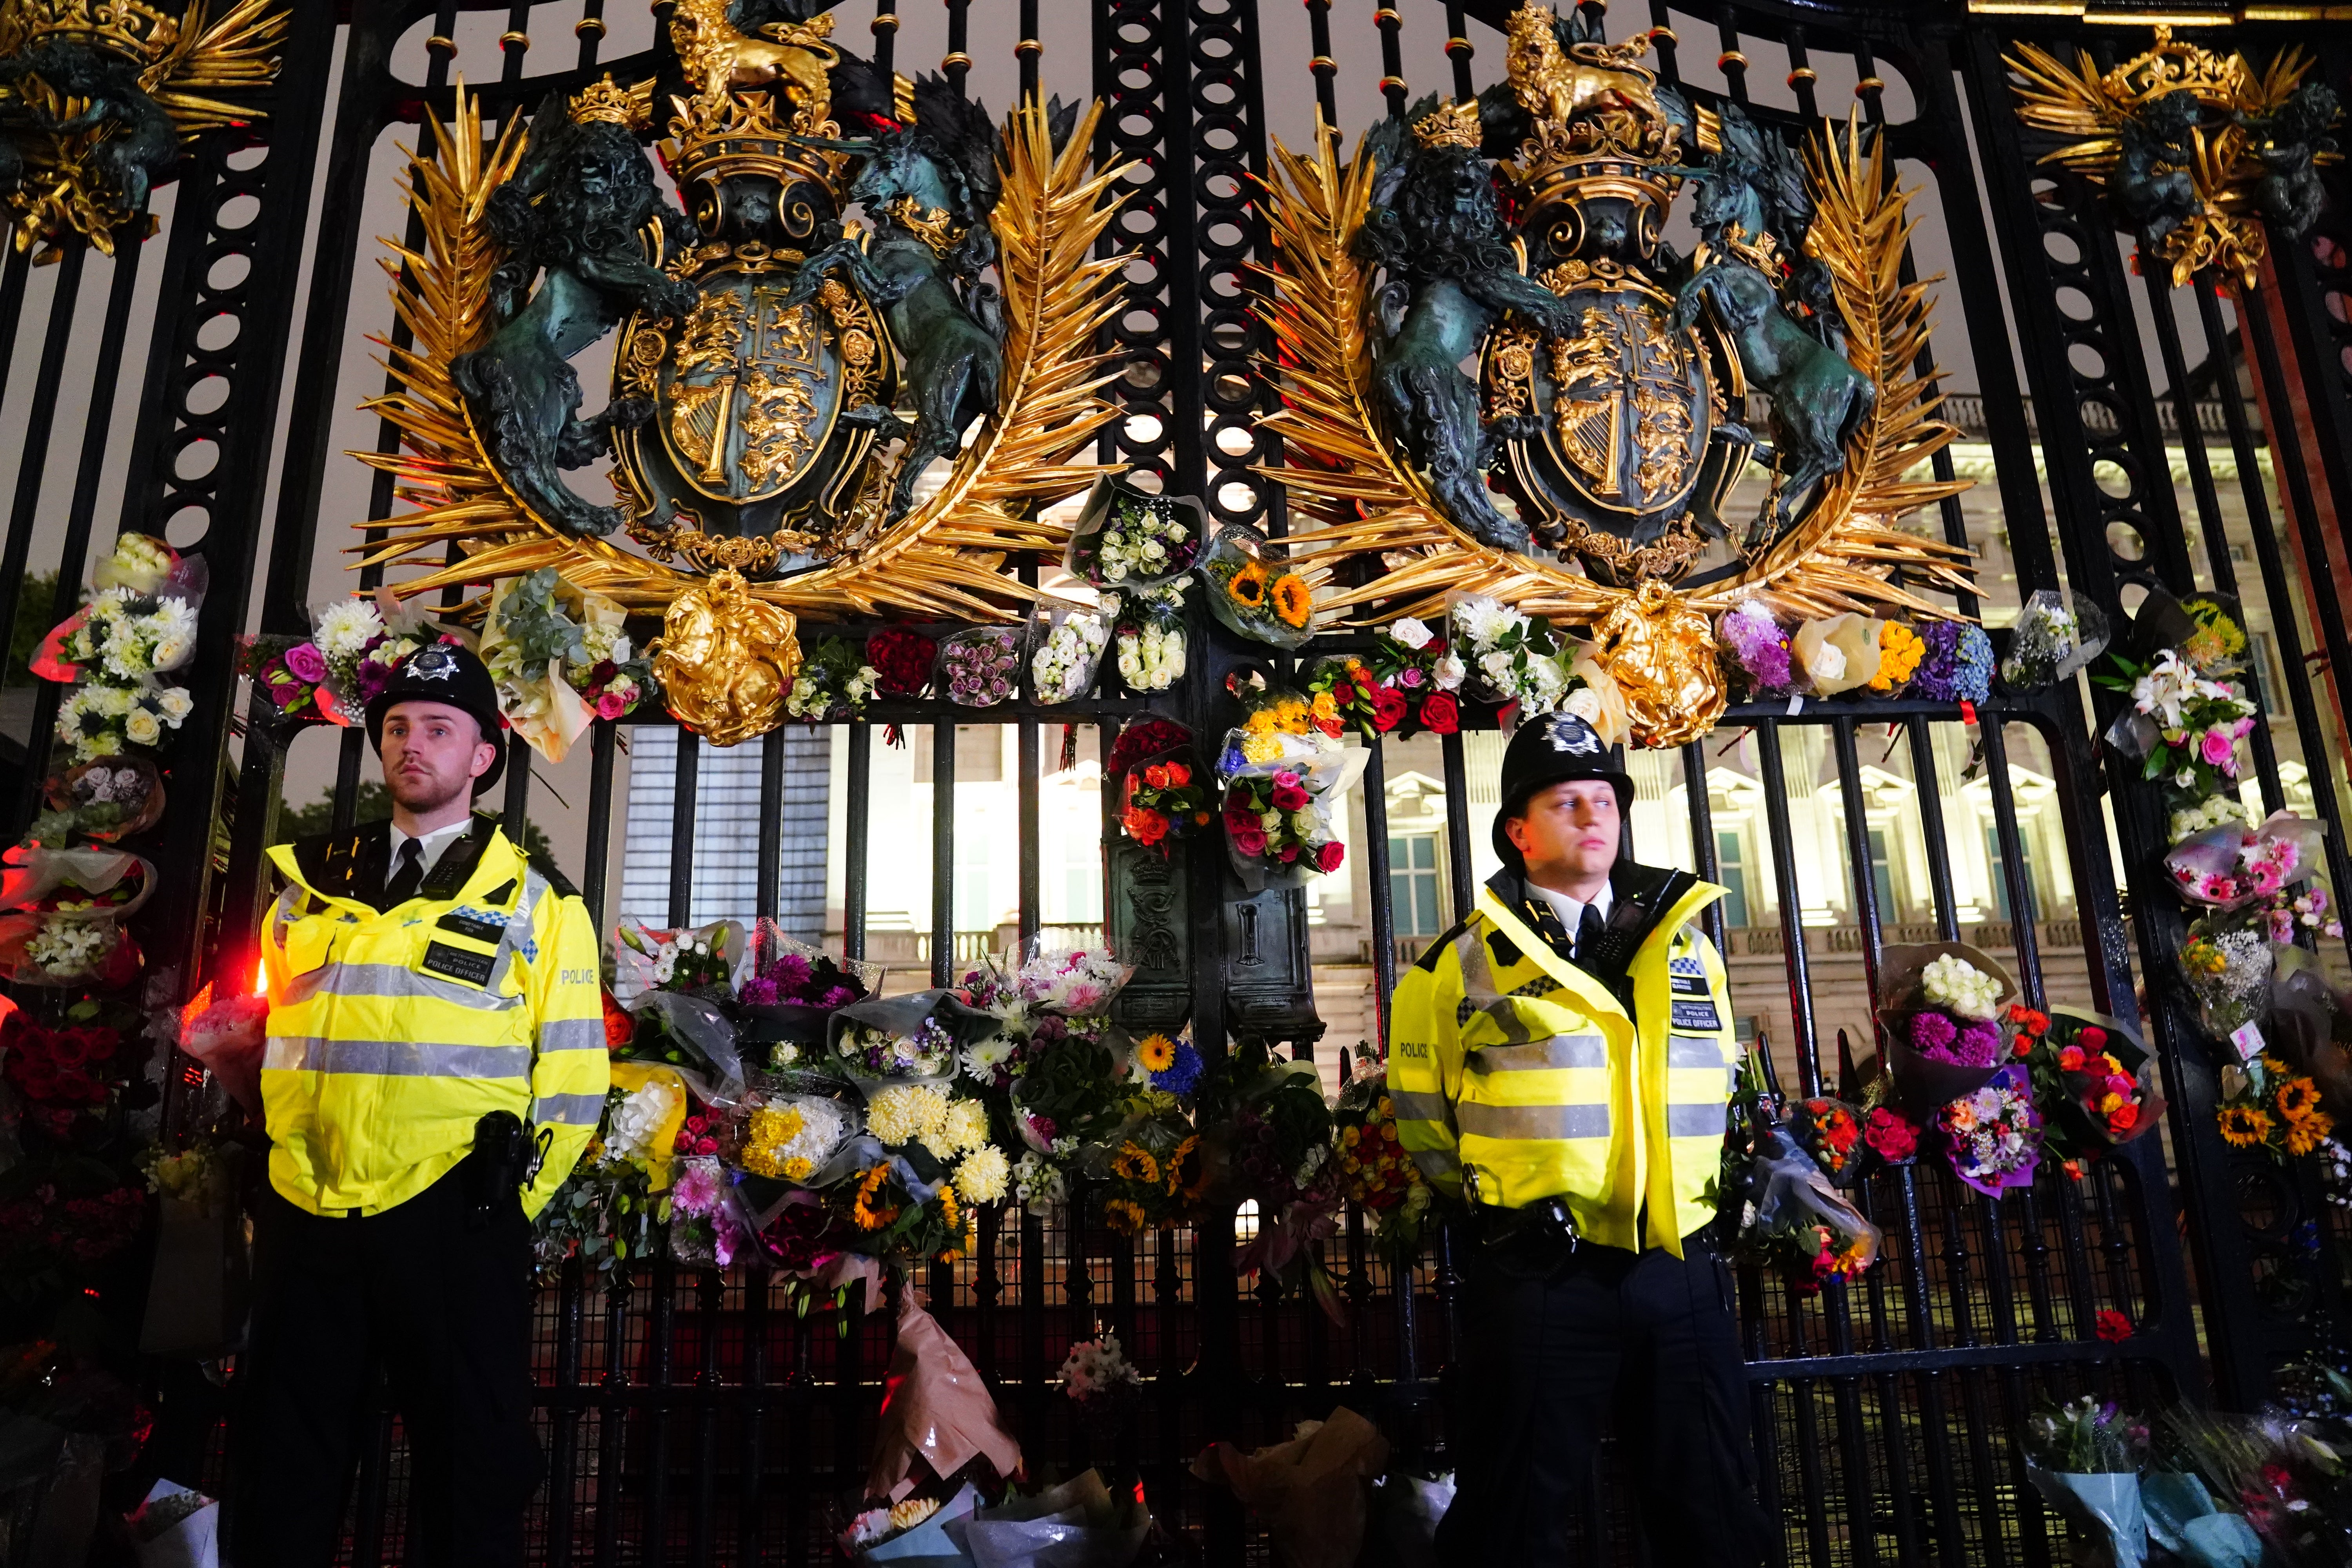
443, 1310
1552, 1352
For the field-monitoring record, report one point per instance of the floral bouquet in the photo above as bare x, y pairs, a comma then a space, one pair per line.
901, 658
1506, 658
1343, 692
2056, 635
2185, 717
140, 623
103, 800
1046, 1058
99, 721
700, 960
1080, 1523
1375, 1171
834, 684
2085, 1458
1126, 538
1097, 1378
2227, 961
1147, 636
703, 1230
913, 1530
613, 1207
561, 660
1993, 1136
355, 644
1416, 660
2280, 1481
1837, 654
1277, 785
1900, 649
1791, 1218
980, 668
1278, 1131
1939, 1007
1891, 1135
2225, 810
783, 1002
1254, 592
62, 909
2092, 1078
1956, 665
1065, 649
61, 1073
1161, 805
2267, 1105
1758, 654
2231, 866
1157, 1173
913, 1037
1594, 696
1831, 1131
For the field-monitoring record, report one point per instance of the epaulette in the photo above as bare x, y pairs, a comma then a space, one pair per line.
544, 864
1428, 960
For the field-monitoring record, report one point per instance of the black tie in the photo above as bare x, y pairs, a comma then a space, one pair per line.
1587, 934
408, 872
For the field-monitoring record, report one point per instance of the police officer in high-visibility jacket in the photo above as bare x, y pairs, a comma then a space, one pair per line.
1561, 1061
436, 1064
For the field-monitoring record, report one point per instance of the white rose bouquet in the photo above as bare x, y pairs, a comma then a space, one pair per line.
833, 683
1067, 649
1128, 538
1509, 658
1147, 636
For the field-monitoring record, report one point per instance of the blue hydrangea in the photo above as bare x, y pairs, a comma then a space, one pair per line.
1958, 665
1181, 1076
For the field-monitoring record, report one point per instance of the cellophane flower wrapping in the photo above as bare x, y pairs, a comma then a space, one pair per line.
1503, 656
939, 1417
560, 658
1785, 1214
1066, 648
901, 658
1837, 653
1255, 592
1278, 791
980, 668
2057, 634
2084, 1457
1126, 539
2093, 1079
1993, 1135
1309, 1491
175, 1527
1077, 1524
2231, 866
1759, 651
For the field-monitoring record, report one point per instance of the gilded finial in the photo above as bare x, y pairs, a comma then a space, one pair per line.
1451, 125
603, 100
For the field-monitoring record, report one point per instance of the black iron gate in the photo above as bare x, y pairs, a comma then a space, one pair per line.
692, 1418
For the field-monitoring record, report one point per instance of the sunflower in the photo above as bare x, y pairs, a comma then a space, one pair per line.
868, 1215
1158, 1052
1293, 600
2244, 1126
2305, 1134
1183, 1154
950, 1215
1125, 1217
1246, 587
2298, 1098
1134, 1163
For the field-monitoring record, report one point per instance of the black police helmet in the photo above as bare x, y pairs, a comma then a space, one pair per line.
453, 675
1554, 749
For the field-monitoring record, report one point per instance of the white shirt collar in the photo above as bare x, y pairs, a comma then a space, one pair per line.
430, 847
1571, 911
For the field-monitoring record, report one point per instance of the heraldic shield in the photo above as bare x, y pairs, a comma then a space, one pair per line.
764, 410
1617, 416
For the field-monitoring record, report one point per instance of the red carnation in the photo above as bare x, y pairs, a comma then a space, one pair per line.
2112, 1326
1439, 713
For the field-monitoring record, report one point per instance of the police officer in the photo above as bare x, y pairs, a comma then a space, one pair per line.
1562, 1060
435, 1065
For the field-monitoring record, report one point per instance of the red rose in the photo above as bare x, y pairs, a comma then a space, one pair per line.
901, 661
2122, 1119
1289, 797
620, 1026
2069, 1059
2022, 1046
2112, 1326
2091, 1038
1178, 776
1329, 856
96, 1045
1387, 708
1156, 776
1890, 1134
1439, 713
1250, 840
1145, 827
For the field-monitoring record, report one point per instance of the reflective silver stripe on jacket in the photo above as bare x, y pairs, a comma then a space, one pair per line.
1411, 1105
1693, 1051
571, 1110
395, 1058
1532, 1122
1437, 1165
517, 929
1559, 1051
1695, 1120
394, 979
572, 1034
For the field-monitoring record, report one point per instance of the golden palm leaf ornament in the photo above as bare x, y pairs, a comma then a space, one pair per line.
1355, 494
944, 557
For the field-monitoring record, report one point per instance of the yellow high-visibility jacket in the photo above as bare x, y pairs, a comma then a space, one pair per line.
1507, 1057
392, 1034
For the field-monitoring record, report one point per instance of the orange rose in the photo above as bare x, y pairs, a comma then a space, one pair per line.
1156, 776
1145, 827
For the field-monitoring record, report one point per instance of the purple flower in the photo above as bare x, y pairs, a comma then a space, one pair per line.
789, 973
305, 662
839, 996
1932, 1033
1759, 644
759, 991
1958, 665
1979, 1045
